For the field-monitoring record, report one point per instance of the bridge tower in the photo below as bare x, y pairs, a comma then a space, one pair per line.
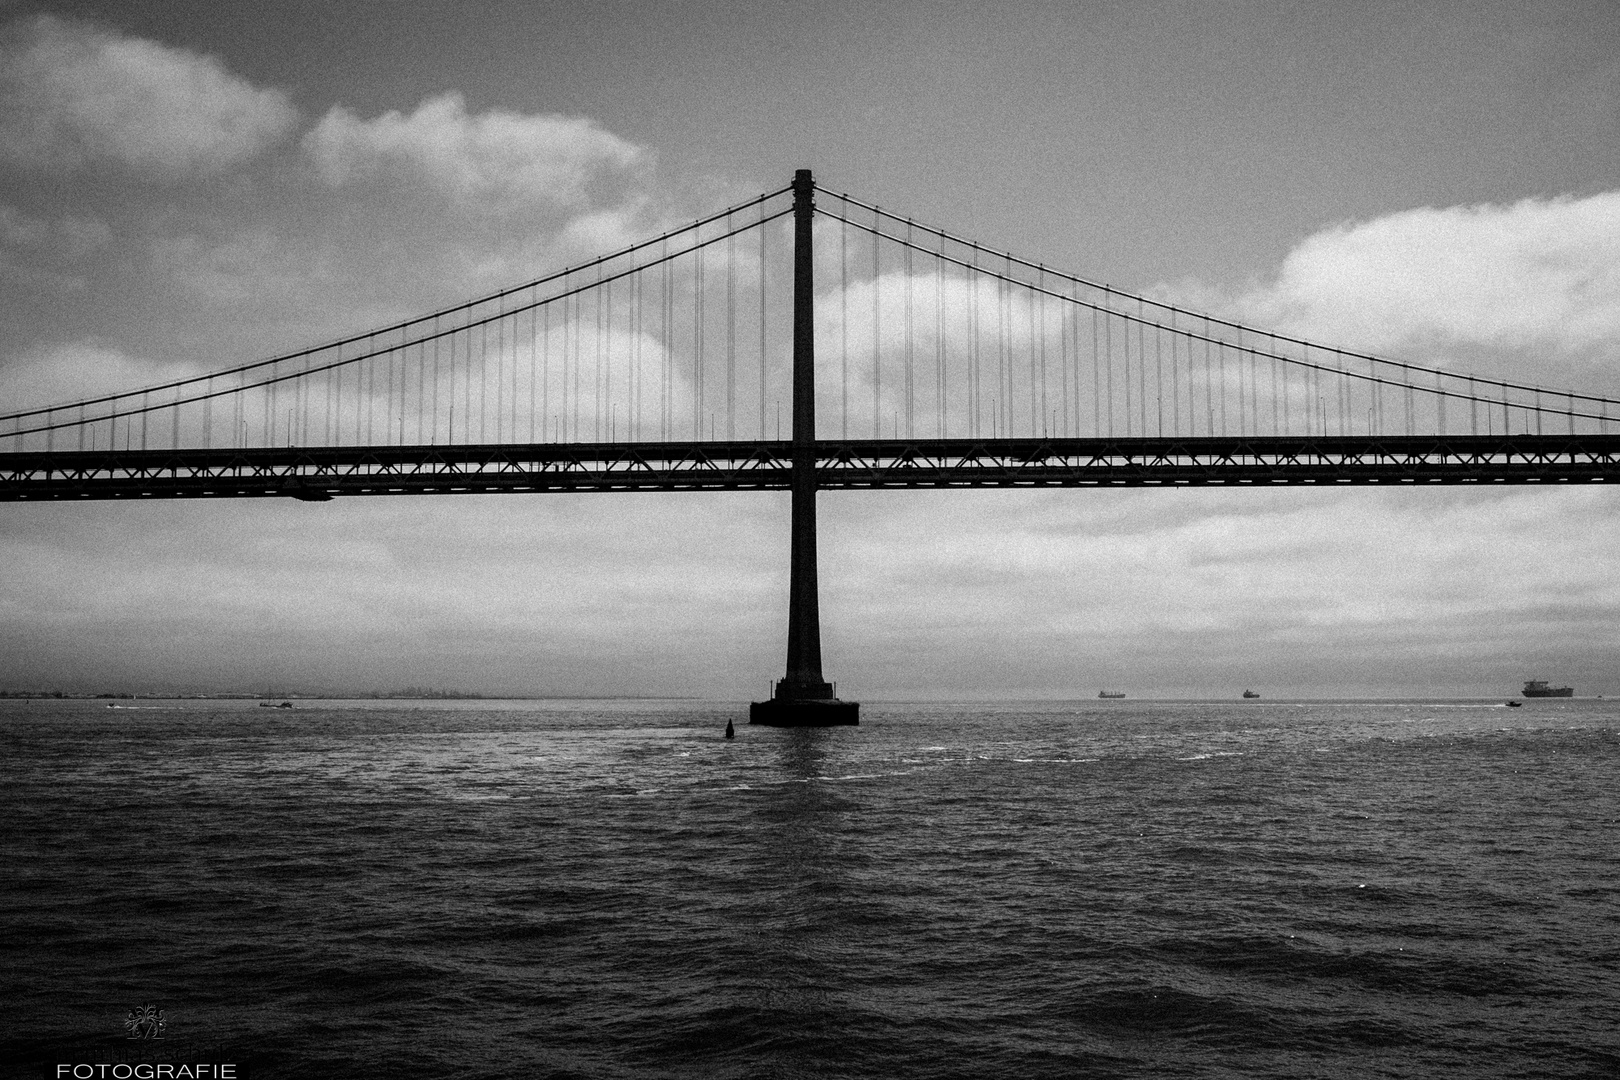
803, 698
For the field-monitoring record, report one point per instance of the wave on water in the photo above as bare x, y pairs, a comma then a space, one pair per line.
559, 891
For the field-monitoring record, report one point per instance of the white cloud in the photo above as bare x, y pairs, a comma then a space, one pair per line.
501, 159
1068, 591
71, 93
76, 371
1539, 276
238, 266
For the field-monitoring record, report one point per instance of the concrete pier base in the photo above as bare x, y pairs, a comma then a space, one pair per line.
804, 712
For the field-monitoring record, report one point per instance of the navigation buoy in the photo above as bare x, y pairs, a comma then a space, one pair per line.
731, 732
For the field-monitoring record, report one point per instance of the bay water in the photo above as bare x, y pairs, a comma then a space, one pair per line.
613, 889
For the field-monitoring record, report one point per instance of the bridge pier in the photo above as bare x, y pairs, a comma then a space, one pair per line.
802, 697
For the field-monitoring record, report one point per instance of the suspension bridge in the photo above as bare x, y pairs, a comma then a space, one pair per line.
805, 340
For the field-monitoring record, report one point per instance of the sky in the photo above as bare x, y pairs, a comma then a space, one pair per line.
190, 185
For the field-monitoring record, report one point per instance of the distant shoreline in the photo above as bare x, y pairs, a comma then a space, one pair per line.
42, 695
52, 695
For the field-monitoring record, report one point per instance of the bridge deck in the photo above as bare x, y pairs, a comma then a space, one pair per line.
323, 472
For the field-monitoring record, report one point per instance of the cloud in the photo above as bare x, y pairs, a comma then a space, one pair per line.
501, 159
519, 594
72, 236
27, 242
237, 266
1063, 592
77, 371
73, 94
1538, 276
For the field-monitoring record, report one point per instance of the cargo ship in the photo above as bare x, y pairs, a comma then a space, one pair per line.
1110, 693
1539, 688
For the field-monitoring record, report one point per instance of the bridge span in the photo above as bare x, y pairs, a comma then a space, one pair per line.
321, 473
669, 365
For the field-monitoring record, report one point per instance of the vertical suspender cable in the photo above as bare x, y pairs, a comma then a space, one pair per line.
668, 344
1287, 394
697, 351
1045, 416
731, 332
1108, 345
500, 368
632, 422
467, 338
1096, 383
941, 425
1131, 392
1003, 402
1065, 318
1141, 367
534, 326
843, 318
570, 389
908, 329
545, 372
1242, 388
1106, 365
1130, 386
563, 432
1158, 376
1209, 381
1158, 370
1254, 389
877, 341
1274, 384
604, 325
434, 438
1037, 402
1175, 376
763, 233
974, 321
1440, 402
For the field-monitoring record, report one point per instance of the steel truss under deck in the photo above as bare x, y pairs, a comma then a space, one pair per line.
321, 473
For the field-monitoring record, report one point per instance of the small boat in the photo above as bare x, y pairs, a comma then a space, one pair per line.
1250, 694
1515, 704
268, 705
1110, 693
